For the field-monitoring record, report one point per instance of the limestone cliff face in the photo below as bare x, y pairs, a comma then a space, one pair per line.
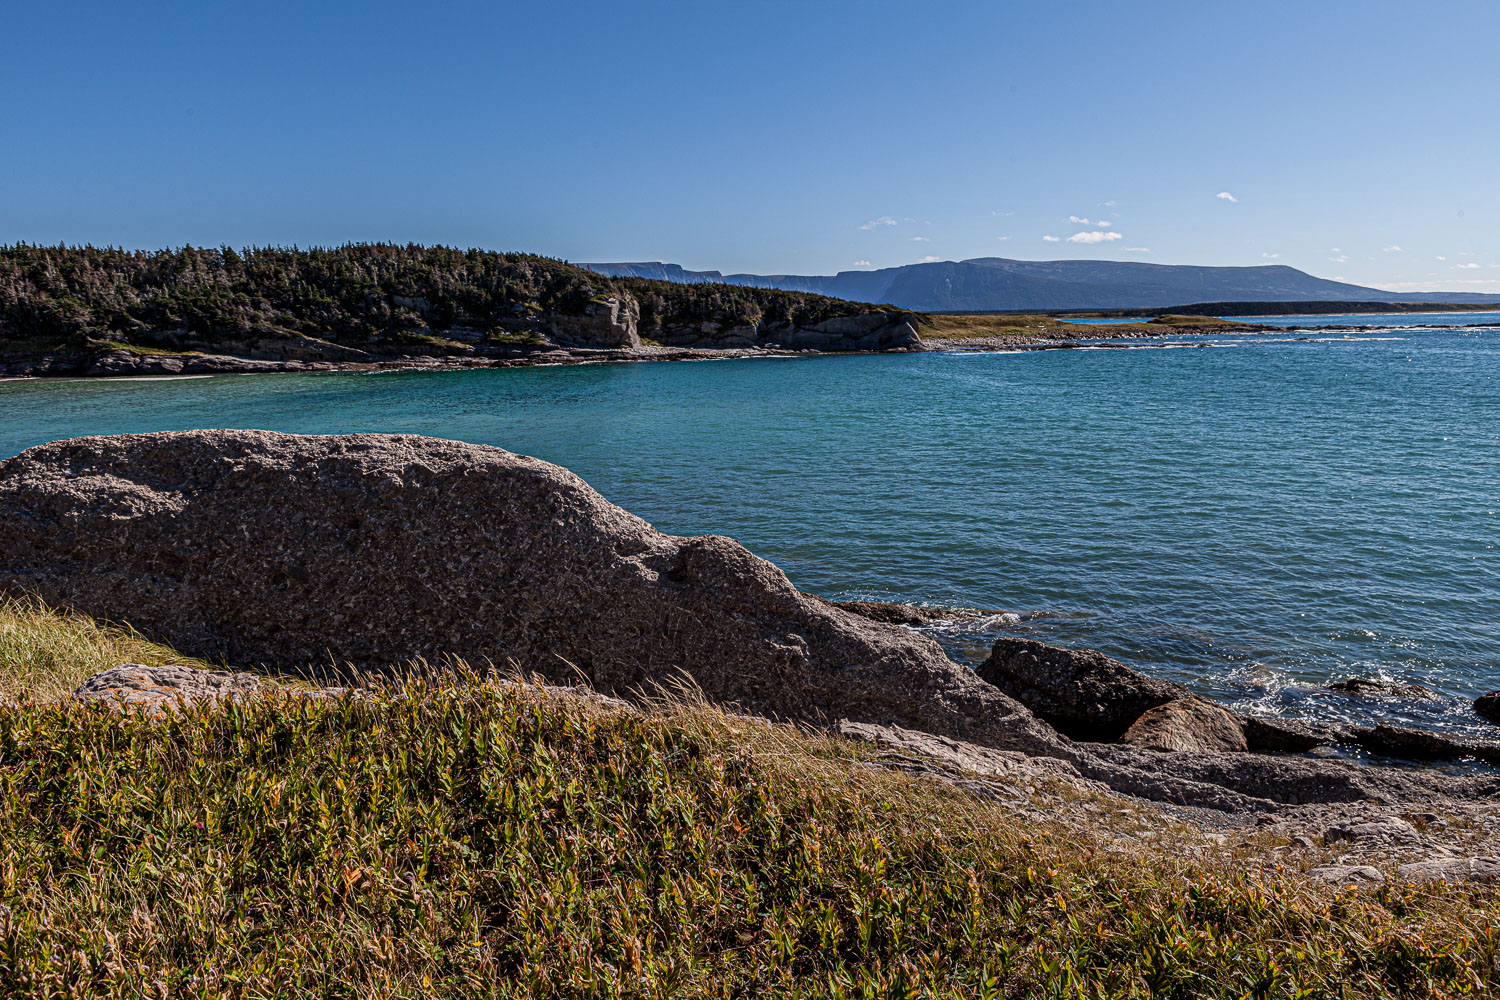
609, 323
873, 331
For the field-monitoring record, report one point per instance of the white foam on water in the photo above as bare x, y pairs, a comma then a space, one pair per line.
126, 379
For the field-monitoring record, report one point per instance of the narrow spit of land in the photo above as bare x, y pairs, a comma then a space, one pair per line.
1008, 331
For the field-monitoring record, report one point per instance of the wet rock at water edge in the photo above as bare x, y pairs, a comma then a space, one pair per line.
1083, 693
1416, 744
892, 614
1264, 735
1488, 706
1373, 688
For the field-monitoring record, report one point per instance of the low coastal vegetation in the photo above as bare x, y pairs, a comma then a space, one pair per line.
371, 297
446, 836
1030, 327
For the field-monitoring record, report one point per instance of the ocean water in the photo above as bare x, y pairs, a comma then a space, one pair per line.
1388, 320
1255, 516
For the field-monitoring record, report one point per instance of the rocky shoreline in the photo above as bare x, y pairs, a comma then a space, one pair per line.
713, 346
317, 553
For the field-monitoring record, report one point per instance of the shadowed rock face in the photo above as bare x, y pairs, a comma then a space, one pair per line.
286, 550
1488, 706
1083, 693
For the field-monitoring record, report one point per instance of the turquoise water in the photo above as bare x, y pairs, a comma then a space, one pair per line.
1255, 516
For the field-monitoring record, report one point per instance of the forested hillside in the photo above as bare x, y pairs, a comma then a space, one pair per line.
369, 296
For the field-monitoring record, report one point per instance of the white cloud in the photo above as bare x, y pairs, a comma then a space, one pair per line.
1137, 250
1393, 248
1440, 258
1340, 259
928, 260
860, 263
1077, 221
1226, 196
1110, 204
1104, 224
1052, 239
884, 220
1094, 237
1436, 286
920, 239
1002, 237
996, 211
908, 219
1335, 250
1270, 256
1470, 266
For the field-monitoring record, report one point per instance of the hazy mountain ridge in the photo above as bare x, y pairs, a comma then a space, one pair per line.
1001, 284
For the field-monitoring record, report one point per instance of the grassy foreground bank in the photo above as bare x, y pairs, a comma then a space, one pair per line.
451, 838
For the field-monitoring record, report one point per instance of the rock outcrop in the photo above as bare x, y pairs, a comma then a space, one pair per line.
258, 548
1186, 725
1083, 693
155, 689
1488, 706
606, 323
1452, 870
1357, 875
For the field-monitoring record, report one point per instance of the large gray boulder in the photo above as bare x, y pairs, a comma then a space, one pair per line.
1187, 725
257, 548
1081, 692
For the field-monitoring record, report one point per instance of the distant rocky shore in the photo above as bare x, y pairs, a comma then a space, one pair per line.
614, 337
326, 553
876, 333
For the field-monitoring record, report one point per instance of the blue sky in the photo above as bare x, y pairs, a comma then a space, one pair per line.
1353, 140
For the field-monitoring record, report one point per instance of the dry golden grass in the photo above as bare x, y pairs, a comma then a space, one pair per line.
445, 836
46, 653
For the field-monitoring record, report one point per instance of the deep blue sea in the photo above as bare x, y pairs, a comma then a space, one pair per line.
1253, 515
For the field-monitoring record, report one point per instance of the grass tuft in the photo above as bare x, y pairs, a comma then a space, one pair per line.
46, 653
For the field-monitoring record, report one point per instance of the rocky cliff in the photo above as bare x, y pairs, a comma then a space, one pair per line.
875, 331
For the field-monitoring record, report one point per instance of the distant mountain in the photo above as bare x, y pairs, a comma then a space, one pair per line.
1001, 284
